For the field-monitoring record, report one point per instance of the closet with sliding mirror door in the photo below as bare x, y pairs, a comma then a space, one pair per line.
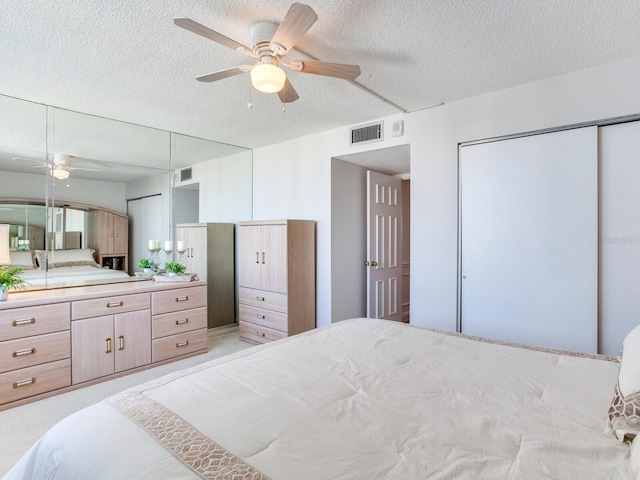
71, 183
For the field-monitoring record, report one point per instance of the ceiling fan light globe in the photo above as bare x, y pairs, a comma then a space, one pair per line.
268, 78
60, 173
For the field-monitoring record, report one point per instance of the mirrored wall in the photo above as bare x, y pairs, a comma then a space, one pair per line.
72, 183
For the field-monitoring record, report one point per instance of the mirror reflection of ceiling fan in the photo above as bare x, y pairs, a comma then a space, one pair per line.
270, 43
60, 168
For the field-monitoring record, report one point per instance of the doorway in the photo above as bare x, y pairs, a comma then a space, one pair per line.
349, 228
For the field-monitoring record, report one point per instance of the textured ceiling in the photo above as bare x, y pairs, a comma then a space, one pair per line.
125, 59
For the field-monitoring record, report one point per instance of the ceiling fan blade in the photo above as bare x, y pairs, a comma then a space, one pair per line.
297, 21
337, 70
206, 32
81, 168
288, 93
229, 72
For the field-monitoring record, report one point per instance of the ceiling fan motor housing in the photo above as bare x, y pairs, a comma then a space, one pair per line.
261, 34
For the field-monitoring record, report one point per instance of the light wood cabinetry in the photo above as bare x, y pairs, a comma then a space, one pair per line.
109, 237
277, 279
111, 342
210, 252
179, 322
59, 340
35, 350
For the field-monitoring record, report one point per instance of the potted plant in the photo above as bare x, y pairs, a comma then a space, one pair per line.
10, 278
146, 265
174, 268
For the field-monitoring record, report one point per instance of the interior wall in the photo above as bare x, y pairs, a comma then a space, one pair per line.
348, 240
293, 179
597, 93
225, 188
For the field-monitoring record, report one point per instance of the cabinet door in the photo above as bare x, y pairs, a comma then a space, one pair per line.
104, 232
92, 346
132, 342
197, 258
274, 258
120, 234
250, 249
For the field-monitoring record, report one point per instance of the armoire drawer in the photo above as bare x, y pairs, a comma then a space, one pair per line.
99, 307
264, 299
178, 322
259, 334
176, 345
29, 351
26, 382
178, 299
27, 321
264, 317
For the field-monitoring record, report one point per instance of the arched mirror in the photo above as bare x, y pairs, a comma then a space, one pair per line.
73, 185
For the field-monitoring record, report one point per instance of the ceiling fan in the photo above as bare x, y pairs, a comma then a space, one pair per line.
270, 43
59, 168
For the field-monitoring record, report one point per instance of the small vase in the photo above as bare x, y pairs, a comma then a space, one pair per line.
4, 293
147, 270
172, 274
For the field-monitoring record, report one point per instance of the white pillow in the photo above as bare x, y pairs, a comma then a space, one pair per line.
624, 413
23, 260
71, 258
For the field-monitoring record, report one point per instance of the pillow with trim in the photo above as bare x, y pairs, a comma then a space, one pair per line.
623, 420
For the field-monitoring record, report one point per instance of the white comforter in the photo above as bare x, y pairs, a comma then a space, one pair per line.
71, 275
361, 399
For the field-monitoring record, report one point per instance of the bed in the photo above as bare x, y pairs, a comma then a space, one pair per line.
359, 399
66, 267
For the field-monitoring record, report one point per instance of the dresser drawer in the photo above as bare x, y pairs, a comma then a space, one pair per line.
29, 351
264, 299
178, 322
176, 345
178, 299
30, 381
258, 333
27, 321
266, 318
99, 307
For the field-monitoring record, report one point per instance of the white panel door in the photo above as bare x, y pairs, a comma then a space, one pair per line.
529, 239
384, 213
619, 233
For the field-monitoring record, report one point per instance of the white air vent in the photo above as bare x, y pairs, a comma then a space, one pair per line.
185, 174
372, 132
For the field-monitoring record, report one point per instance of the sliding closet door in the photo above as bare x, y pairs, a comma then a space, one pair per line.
528, 238
619, 233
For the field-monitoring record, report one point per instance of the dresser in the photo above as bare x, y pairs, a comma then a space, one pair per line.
54, 341
277, 278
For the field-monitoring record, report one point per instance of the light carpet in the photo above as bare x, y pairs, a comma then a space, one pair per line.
20, 427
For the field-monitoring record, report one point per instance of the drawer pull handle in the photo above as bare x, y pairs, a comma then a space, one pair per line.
261, 334
184, 298
184, 343
26, 321
24, 383
263, 262
115, 304
121, 342
257, 257
259, 315
108, 340
182, 322
259, 298
20, 353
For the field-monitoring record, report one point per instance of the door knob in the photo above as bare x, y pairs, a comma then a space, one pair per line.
372, 263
